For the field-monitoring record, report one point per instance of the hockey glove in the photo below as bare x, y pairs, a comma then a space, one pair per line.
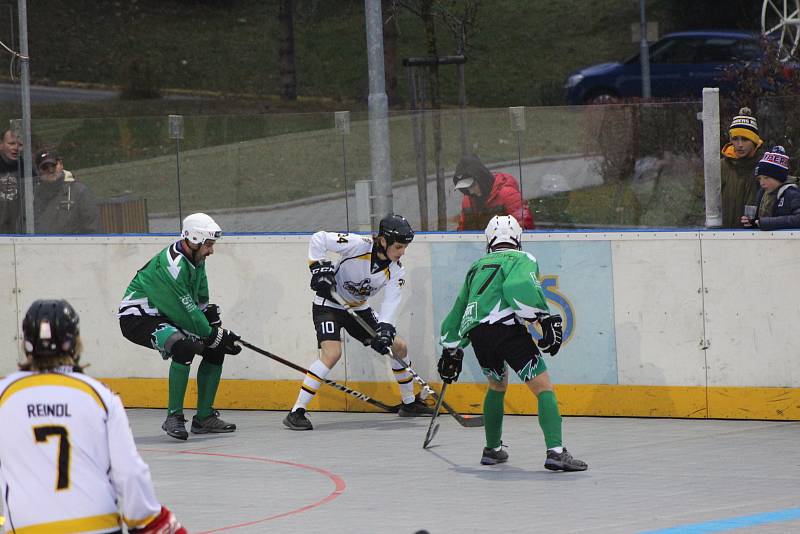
450, 364
212, 315
384, 337
552, 333
323, 277
164, 523
223, 339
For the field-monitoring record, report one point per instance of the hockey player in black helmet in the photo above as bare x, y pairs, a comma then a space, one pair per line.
365, 266
50, 406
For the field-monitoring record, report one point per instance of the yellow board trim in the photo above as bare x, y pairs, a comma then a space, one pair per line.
694, 402
51, 379
69, 526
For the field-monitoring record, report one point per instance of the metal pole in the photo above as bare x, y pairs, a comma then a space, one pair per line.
517, 116
711, 163
644, 51
380, 159
176, 132
27, 163
342, 121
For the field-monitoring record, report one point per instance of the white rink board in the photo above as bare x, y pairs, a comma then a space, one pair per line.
672, 293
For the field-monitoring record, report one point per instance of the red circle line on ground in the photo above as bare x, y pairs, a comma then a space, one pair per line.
336, 479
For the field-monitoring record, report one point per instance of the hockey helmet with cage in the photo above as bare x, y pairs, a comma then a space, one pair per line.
51, 328
503, 229
396, 229
198, 227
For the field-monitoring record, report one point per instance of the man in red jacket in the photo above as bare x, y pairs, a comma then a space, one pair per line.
487, 194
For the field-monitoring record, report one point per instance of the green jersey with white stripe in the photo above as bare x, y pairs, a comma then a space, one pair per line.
502, 287
171, 286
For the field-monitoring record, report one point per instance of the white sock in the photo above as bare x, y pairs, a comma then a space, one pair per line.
557, 450
312, 381
405, 381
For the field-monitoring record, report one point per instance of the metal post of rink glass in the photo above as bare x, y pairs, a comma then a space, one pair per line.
517, 117
176, 132
342, 121
711, 162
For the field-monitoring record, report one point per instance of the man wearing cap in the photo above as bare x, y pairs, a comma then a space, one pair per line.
61, 206
487, 194
739, 159
778, 199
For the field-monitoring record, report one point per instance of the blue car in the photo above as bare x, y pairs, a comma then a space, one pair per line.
681, 64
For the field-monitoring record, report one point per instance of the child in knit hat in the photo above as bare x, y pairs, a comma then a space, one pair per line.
739, 158
778, 199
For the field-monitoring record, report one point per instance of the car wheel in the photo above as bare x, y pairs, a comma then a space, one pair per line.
601, 97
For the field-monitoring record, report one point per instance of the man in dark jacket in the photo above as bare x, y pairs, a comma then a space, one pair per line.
739, 159
487, 194
11, 209
778, 199
60, 206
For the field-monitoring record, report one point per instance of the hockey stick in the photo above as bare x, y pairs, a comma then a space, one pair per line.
340, 387
432, 430
463, 420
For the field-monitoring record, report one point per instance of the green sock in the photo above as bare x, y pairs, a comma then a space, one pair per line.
208, 376
550, 419
493, 417
178, 380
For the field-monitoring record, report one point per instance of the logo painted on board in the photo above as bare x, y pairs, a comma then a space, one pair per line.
558, 303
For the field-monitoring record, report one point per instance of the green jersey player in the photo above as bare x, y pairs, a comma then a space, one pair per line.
501, 292
166, 307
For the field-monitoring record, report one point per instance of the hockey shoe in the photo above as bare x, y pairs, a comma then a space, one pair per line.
175, 426
415, 409
563, 461
492, 457
211, 425
297, 420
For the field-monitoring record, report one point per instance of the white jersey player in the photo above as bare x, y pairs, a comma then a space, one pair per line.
366, 265
67, 455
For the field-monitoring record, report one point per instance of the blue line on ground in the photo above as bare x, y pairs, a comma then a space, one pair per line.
788, 514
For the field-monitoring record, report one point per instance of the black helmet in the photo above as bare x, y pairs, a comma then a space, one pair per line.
50, 328
396, 228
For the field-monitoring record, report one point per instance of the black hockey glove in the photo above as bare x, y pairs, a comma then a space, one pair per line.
450, 364
224, 340
384, 337
212, 315
323, 277
552, 333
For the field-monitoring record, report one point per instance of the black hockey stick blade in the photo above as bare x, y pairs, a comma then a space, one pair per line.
433, 428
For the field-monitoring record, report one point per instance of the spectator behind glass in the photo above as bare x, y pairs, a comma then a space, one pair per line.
778, 199
10, 183
487, 194
61, 206
739, 159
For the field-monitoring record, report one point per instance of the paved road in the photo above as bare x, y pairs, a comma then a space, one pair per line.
542, 177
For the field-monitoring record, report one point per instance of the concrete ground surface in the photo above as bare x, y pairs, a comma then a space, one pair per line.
368, 473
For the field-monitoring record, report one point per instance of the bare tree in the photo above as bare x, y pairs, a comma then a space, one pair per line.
390, 36
461, 22
286, 68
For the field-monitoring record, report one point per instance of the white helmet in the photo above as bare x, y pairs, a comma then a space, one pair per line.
503, 229
198, 227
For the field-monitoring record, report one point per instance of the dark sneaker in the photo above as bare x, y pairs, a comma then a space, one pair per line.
297, 420
415, 409
492, 457
563, 462
211, 425
175, 426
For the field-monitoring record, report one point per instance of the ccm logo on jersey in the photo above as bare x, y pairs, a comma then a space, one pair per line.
188, 303
362, 288
48, 410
